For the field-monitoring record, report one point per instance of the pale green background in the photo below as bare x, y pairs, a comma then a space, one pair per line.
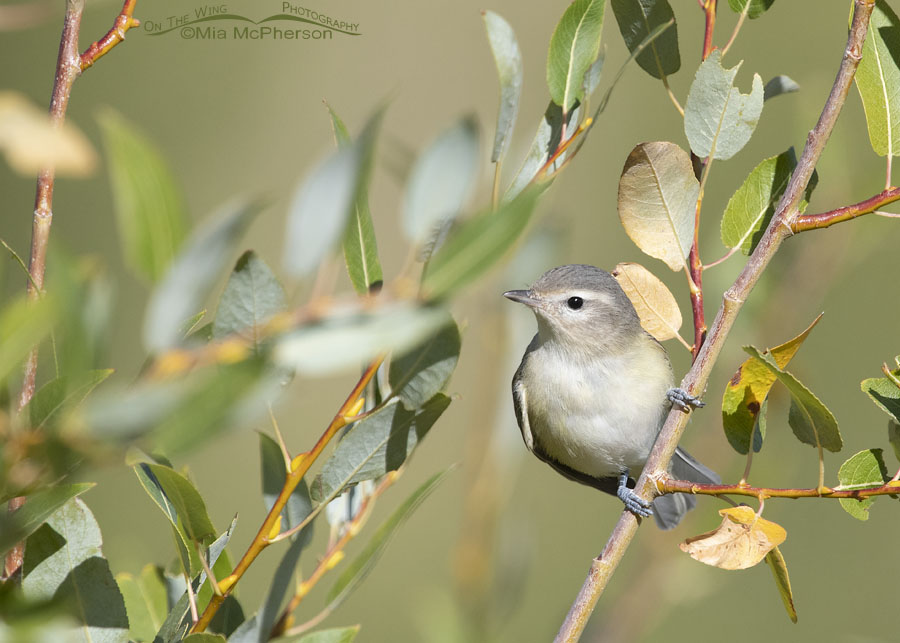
247, 117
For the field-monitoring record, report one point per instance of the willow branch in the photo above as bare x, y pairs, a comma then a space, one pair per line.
299, 466
695, 381
667, 485
806, 222
123, 22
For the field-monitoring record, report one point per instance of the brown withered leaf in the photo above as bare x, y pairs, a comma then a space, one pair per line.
741, 541
654, 303
31, 143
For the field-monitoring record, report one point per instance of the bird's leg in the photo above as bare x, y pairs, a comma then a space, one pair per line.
633, 502
683, 400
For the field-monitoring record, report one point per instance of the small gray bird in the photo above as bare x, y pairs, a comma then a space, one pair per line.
594, 389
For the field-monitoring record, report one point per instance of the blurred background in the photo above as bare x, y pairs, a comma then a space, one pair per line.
501, 549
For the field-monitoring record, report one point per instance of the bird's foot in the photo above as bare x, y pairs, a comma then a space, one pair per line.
683, 400
633, 502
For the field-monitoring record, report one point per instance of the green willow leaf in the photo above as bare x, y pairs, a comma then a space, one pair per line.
62, 393
777, 564
477, 245
508, 59
752, 206
192, 275
757, 8
149, 207
440, 182
885, 393
574, 47
331, 635
543, 146
251, 296
809, 418
718, 118
637, 19
863, 470
878, 80
23, 324
359, 244
145, 601
356, 571
778, 85
424, 370
179, 496
378, 443
63, 560
40, 505
657, 201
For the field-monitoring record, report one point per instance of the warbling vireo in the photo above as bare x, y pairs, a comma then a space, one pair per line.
594, 389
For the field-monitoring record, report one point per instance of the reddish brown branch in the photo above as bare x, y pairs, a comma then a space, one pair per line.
824, 219
685, 486
123, 22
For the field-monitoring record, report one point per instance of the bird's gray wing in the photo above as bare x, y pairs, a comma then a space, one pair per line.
520, 404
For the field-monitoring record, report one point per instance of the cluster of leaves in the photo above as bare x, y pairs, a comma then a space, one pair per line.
204, 375
660, 198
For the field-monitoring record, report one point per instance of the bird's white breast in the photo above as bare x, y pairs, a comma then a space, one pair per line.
597, 415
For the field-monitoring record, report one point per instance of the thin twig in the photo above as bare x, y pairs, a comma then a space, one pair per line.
603, 567
299, 466
667, 485
737, 28
824, 219
123, 22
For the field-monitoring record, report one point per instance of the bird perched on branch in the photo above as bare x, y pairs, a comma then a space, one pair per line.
594, 389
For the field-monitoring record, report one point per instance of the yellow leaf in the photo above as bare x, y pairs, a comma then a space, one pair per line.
782, 581
748, 388
741, 541
31, 142
654, 303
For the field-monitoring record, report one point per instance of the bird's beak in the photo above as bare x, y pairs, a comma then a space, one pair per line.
522, 297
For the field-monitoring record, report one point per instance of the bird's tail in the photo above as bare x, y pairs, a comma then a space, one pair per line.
669, 509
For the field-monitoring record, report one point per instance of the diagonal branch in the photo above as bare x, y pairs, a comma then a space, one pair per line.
806, 222
603, 567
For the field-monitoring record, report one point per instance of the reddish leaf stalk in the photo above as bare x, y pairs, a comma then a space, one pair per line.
685, 486
123, 22
806, 222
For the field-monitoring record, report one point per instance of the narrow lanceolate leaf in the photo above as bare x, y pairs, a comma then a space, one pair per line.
191, 276
251, 296
63, 560
145, 601
375, 445
357, 570
751, 207
508, 59
718, 118
654, 303
809, 418
440, 183
743, 403
62, 393
342, 342
637, 19
777, 564
574, 47
878, 80
477, 245
320, 209
359, 243
779, 85
864, 470
657, 201
149, 207
274, 474
419, 373
885, 393
757, 8
543, 146
174, 493
23, 324
39, 506
741, 541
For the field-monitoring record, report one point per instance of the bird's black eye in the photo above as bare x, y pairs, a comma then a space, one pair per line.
575, 303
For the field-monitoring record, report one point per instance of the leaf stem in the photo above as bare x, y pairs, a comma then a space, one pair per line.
806, 222
737, 28
667, 485
604, 566
300, 465
665, 82
727, 256
709, 8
